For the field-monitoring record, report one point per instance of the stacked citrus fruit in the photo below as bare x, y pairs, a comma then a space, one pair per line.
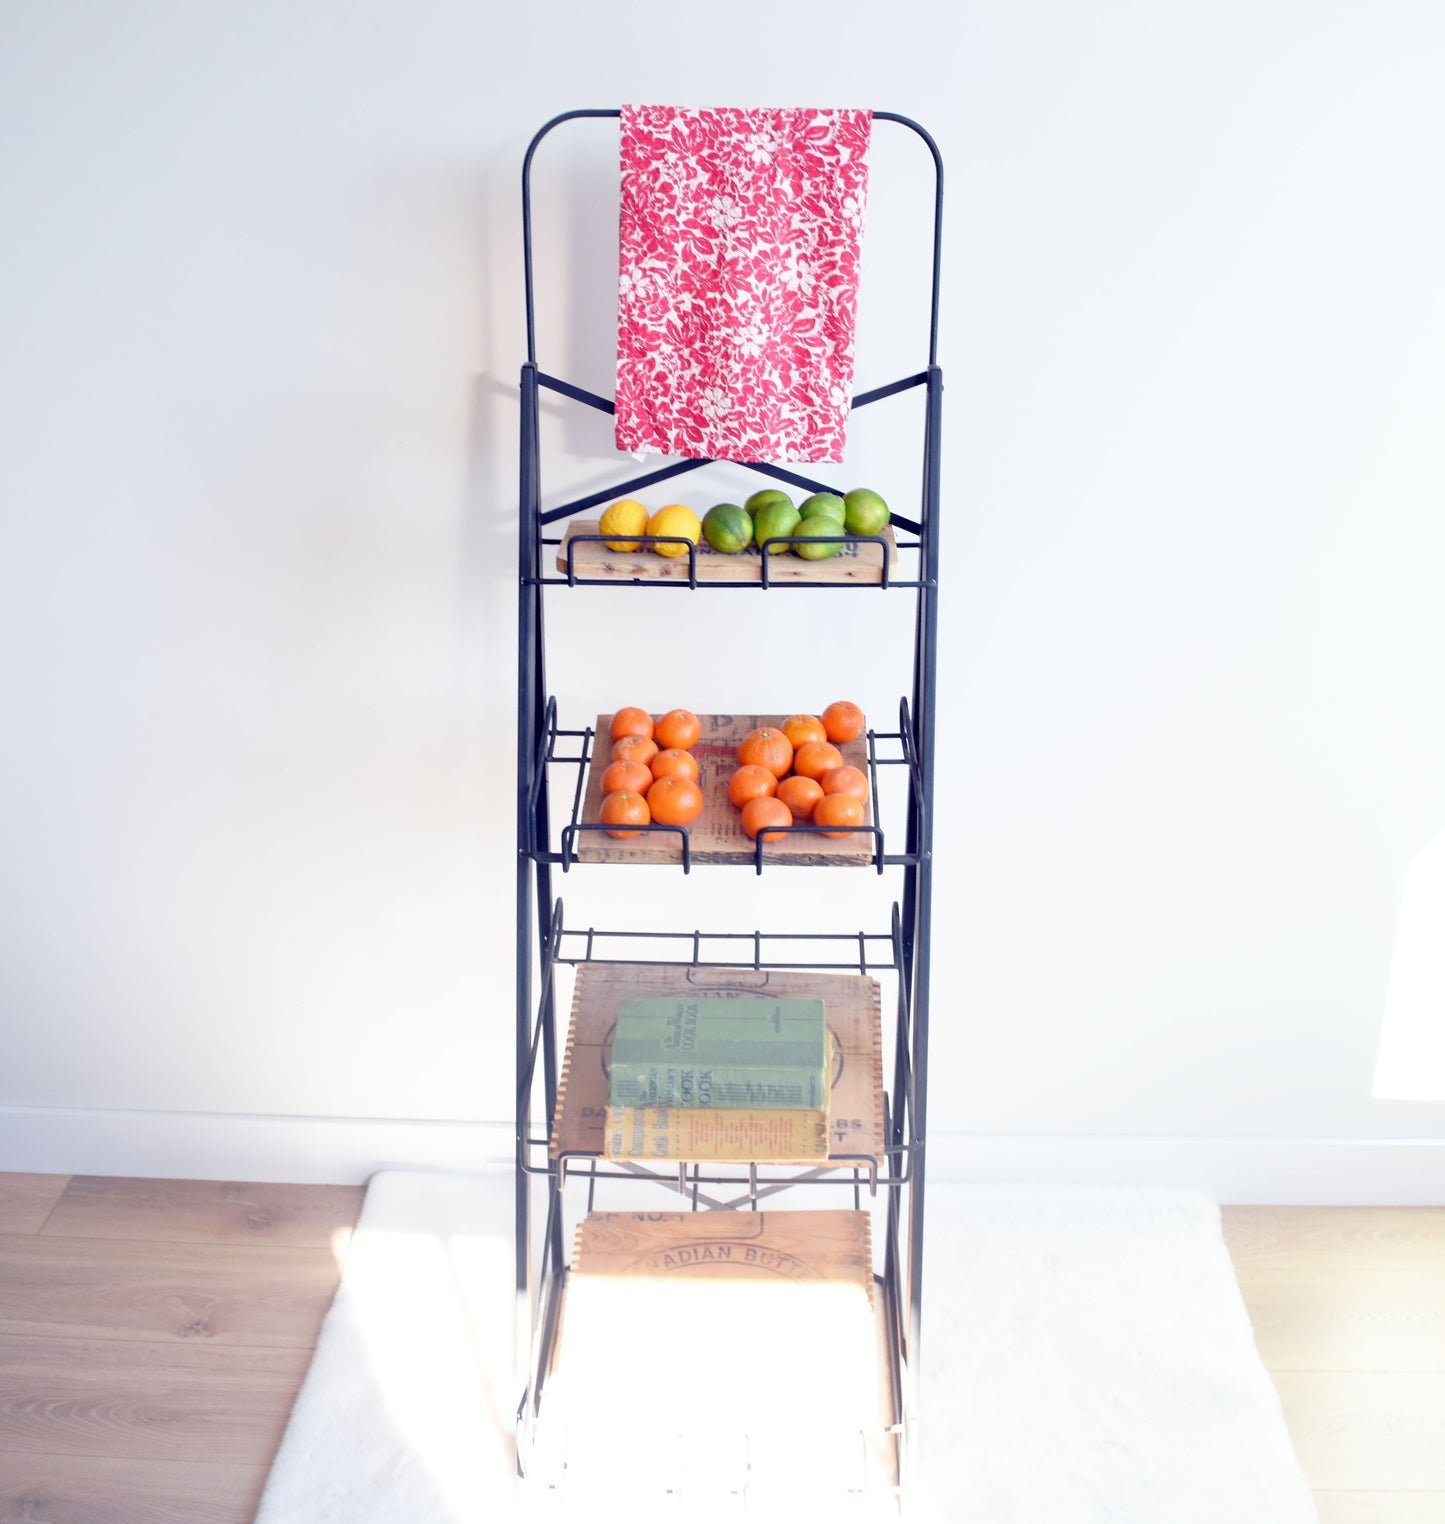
627, 521
816, 520
794, 773
731, 528
652, 775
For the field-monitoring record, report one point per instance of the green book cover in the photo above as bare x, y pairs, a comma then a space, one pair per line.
720, 1051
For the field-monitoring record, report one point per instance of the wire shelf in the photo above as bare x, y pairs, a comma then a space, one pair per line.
717, 837
845, 969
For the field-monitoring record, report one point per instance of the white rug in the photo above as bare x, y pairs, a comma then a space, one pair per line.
1087, 1357
1087, 1360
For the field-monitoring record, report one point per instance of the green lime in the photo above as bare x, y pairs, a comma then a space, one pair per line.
866, 512
822, 502
766, 499
820, 523
727, 528
774, 519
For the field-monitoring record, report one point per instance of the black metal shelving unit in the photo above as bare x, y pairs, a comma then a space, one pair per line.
553, 761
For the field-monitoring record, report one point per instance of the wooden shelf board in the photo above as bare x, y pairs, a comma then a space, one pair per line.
765, 1414
854, 1021
717, 835
857, 563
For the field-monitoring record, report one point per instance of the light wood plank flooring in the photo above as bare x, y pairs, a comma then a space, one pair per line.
153, 1336
1348, 1307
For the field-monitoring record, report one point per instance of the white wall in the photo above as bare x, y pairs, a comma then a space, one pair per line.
260, 325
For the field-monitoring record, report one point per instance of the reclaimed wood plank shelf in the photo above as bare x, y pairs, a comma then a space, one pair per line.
856, 1114
859, 561
804, 1393
717, 835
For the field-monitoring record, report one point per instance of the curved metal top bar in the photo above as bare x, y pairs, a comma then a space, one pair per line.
904, 121
532, 147
878, 116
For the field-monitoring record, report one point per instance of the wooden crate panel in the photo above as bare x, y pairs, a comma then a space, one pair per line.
717, 835
818, 1248
778, 1373
859, 563
855, 1125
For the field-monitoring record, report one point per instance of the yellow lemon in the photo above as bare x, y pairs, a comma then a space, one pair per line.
623, 518
675, 519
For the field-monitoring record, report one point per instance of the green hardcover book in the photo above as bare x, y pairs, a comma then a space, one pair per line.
720, 1051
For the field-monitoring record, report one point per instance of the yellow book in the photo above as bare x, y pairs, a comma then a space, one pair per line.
679, 1132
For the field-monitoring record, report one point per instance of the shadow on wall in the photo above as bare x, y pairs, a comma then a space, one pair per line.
574, 219
487, 554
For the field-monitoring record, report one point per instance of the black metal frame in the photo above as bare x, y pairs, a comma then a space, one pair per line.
693, 950
540, 928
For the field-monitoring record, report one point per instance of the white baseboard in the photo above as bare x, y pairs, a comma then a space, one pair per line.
190, 1145
349, 1150
1238, 1171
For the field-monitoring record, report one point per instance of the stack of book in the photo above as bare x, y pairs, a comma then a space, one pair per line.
729, 1076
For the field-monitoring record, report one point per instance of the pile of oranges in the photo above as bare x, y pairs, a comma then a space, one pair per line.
795, 773
652, 775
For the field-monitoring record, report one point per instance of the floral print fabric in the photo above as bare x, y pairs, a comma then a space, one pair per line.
740, 236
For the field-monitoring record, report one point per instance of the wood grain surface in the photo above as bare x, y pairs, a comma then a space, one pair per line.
153, 1401
155, 1391
97, 1489
1374, 1320
205, 1211
851, 1002
1348, 1307
1341, 1238
27, 1200
1380, 1507
717, 835
79, 1288
828, 1247
1367, 1431
153, 1337
856, 562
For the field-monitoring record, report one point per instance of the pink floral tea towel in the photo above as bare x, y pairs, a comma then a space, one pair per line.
740, 236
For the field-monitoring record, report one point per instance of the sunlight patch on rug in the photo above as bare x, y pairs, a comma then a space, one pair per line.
1087, 1360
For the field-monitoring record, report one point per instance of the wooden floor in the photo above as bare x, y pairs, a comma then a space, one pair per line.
153, 1335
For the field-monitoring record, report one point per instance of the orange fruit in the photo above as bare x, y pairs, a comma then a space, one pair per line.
815, 758
677, 728
767, 748
803, 727
624, 809
751, 782
626, 778
843, 721
634, 749
846, 780
674, 762
800, 794
762, 812
674, 800
630, 722
838, 810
